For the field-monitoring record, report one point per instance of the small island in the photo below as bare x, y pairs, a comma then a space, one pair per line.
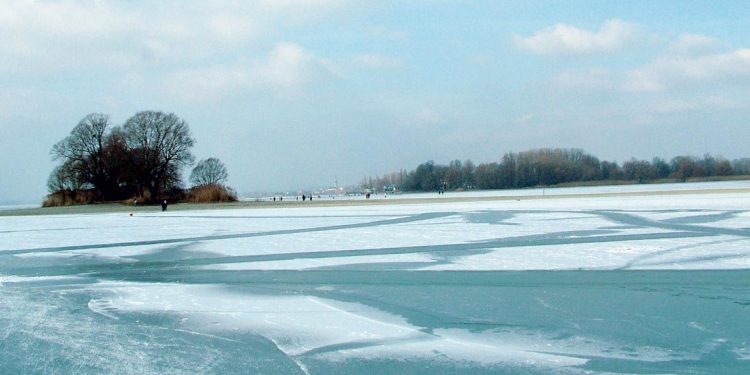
139, 162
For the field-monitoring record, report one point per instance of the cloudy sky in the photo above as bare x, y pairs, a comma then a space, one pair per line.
293, 94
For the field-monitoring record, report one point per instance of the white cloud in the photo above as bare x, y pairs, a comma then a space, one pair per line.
289, 66
676, 70
51, 36
375, 61
694, 43
594, 79
232, 27
287, 6
286, 69
669, 106
299, 11
63, 19
426, 117
564, 39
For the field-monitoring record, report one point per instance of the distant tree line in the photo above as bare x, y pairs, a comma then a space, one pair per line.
140, 160
548, 167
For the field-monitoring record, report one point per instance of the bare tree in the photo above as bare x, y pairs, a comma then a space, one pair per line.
209, 171
83, 153
61, 180
159, 144
639, 170
85, 140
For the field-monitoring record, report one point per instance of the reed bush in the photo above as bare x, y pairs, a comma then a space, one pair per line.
69, 198
211, 193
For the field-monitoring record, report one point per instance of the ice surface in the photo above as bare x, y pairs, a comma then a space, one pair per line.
295, 323
566, 284
306, 264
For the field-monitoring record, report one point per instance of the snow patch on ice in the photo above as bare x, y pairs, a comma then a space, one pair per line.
296, 323
303, 326
12, 279
743, 353
492, 348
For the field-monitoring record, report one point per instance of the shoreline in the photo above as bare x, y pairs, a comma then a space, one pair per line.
116, 207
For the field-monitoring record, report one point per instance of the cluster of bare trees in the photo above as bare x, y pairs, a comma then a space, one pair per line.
210, 171
143, 158
545, 167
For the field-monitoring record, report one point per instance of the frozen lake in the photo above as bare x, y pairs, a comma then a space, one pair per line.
538, 192
650, 284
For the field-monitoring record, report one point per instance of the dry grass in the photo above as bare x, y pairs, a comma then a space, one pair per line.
68, 198
211, 194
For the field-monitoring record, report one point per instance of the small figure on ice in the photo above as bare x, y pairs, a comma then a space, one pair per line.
164, 205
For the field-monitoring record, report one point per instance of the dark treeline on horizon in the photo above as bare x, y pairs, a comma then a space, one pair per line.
548, 167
